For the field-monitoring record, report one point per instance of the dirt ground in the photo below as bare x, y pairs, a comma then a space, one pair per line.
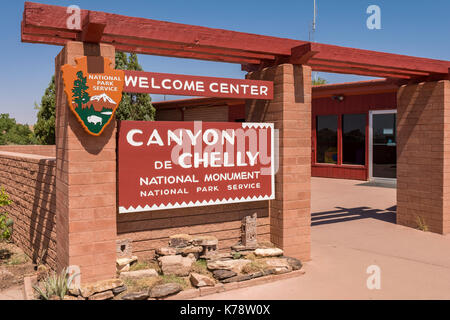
14, 265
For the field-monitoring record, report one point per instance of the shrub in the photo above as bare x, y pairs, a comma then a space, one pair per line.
5, 222
54, 285
421, 224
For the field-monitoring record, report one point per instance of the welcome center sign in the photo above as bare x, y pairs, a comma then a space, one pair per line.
164, 165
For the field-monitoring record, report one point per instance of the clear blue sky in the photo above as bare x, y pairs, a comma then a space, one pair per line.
411, 27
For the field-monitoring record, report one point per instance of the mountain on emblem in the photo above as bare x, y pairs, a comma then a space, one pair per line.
92, 96
104, 97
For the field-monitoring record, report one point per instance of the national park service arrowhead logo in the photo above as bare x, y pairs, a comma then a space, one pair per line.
93, 95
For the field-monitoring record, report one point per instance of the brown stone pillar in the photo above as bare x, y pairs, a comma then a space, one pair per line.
85, 182
290, 111
423, 156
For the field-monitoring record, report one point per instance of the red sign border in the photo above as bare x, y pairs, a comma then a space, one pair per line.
191, 204
207, 93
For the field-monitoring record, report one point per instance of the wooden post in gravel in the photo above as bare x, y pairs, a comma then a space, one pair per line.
85, 181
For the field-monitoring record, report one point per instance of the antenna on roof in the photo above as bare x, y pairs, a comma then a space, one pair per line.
312, 33
313, 30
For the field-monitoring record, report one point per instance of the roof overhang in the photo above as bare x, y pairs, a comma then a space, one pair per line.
48, 24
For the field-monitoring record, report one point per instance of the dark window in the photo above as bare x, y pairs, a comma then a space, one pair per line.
354, 139
327, 139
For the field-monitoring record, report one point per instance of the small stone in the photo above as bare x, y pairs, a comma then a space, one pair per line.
269, 252
120, 289
166, 251
240, 247
139, 274
66, 297
136, 296
294, 263
223, 274
122, 262
180, 240
279, 265
124, 268
205, 241
164, 290
234, 265
102, 295
192, 256
190, 249
199, 280
99, 286
268, 272
238, 278
214, 255
256, 274
175, 265
74, 291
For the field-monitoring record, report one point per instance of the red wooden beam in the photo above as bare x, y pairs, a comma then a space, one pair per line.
381, 59
359, 72
47, 24
301, 54
93, 28
54, 17
351, 67
184, 54
184, 47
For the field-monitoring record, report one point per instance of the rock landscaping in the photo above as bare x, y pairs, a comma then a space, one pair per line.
190, 266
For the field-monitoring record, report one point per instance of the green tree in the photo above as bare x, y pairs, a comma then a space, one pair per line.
14, 133
44, 129
80, 95
134, 106
319, 81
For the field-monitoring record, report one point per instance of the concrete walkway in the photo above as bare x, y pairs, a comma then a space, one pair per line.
353, 227
14, 293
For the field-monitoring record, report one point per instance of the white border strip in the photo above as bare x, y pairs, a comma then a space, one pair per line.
177, 205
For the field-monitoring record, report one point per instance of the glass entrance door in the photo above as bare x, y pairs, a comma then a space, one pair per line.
383, 144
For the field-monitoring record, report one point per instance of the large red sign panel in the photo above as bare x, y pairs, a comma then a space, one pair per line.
164, 165
186, 85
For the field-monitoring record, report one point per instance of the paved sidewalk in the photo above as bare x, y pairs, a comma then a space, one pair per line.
14, 293
353, 228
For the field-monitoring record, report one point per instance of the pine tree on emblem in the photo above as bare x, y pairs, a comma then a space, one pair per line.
80, 95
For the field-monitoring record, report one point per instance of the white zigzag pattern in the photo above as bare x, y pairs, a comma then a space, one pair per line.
256, 125
192, 204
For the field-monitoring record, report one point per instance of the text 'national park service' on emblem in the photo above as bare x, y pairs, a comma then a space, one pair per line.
93, 96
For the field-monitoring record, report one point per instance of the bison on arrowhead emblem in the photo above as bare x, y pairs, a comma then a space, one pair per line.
93, 97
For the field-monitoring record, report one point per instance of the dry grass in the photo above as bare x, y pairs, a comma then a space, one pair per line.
256, 265
251, 256
199, 266
134, 285
145, 264
183, 281
421, 224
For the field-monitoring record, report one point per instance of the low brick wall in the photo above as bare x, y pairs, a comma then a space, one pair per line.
30, 181
48, 150
151, 230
